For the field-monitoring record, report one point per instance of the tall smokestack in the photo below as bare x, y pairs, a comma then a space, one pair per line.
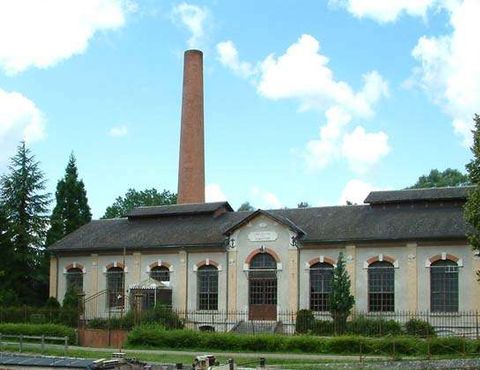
191, 169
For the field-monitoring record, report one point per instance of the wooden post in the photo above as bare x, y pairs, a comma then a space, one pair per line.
42, 345
66, 345
20, 343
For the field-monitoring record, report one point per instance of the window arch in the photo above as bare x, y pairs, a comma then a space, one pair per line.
381, 287
160, 273
321, 278
115, 287
444, 286
75, 279
207, 285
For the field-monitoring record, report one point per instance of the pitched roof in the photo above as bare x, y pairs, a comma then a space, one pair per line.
179, 209
338, 224
416, 195
282, 219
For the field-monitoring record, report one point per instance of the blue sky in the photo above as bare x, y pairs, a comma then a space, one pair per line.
321, 101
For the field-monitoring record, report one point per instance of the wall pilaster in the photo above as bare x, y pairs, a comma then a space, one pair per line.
412, 277
351, 260
137, 267
232, 280
293, 279
53, 288
182, 298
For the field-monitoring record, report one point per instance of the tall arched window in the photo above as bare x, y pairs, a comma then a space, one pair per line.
321, 277
207, 285
75, 279
381, 287
444, 286
160, 273
115, 287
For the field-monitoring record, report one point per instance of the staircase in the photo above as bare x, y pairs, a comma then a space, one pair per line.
258, 327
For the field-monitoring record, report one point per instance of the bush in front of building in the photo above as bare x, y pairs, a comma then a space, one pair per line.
373, 327
50, 330
305, 321
39, 315
156, 336
420, 328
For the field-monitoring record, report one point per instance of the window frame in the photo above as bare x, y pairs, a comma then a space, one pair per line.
382, 297
72, 277
439, 286
323, 271
160, 270
115, 276
207, 288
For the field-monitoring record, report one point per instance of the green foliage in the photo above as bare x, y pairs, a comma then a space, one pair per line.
71, 210
305, 321
472, 207
246, 206
71, 299
134, 198
155, 336
419, 328
341, 300
303, 205
323, 327
373, 327
25, 206
52, 302
51, 330
436, 179
28, 314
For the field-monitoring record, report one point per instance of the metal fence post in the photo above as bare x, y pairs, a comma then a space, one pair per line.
42, 345
476, 324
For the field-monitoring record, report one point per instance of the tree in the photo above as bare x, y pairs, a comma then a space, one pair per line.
25, 205
436, 179
341, 300
71, 210
134, 198
8, 296
472, 207
303, 205
246, 206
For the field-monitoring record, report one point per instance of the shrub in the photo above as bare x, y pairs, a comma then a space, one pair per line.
305, 321
52, 302
323, 327
373, 327
419, 328
51, 330
162, 315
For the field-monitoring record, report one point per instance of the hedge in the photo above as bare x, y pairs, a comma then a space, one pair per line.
155, 336
51, 330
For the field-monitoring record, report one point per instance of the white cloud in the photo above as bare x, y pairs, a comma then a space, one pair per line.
355, 191
385, 10
450, 66
363, 150
118, 131
265, 199
192, 17
302, 74
20, 119
228, 56
42, 33
214, 193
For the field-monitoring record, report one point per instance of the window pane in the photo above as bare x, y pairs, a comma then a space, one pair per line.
207, 285
444, 286
75, 279
321, 277
115, 287
160, 273
381, 287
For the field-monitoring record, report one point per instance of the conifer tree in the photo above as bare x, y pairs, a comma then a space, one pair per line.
472, 207
71, 210
341, 300
22, 193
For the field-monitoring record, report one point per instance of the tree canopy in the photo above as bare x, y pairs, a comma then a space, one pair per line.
71, 209
303, 205
436, 178
25, 206
246, 206
472, 207
133, 198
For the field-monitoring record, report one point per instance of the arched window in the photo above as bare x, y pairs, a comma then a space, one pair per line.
75, 279
321, 277
263, 280
207, 285
381, 287
115, 287
444, 286
160, 273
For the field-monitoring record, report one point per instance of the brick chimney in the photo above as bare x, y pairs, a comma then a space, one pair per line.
191, 169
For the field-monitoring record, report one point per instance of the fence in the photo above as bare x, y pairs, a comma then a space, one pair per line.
39, 315
22, 340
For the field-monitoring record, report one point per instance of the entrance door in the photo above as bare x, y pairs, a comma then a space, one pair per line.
263, 288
